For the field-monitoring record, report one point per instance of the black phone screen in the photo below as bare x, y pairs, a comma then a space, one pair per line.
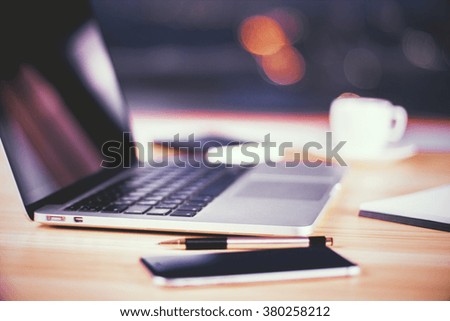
259, 262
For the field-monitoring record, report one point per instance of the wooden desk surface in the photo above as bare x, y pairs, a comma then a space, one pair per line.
398, 262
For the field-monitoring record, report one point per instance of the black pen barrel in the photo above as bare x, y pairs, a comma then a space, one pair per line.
213, 243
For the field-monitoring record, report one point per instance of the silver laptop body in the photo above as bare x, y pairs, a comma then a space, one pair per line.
263, 201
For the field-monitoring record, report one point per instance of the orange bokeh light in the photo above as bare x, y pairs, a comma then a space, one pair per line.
289, 21
261, 35
285, 67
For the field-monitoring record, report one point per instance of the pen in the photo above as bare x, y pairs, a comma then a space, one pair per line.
222, 243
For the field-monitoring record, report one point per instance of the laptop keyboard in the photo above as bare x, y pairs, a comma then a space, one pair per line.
171, 191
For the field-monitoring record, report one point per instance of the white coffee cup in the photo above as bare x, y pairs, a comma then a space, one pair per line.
367, 125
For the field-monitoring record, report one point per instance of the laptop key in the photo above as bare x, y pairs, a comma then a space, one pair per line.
153, 198
183, 213
137, 194
173, 201
147, 202
114, 209
192, 208
179, 197
90, 208
158, 211
166, 205
201, 198
130, 197
137, 209
123, 202
196, 203
160, 193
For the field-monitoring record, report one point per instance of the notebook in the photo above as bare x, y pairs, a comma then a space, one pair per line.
428, 208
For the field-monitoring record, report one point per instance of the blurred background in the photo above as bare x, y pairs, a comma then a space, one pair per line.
278, 55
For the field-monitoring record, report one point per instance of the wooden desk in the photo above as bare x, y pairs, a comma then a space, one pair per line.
398, 262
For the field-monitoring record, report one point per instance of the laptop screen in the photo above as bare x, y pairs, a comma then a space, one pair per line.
59, 98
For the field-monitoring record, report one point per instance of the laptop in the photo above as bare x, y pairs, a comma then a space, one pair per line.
61, 105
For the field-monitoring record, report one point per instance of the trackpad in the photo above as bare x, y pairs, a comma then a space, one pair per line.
284, 190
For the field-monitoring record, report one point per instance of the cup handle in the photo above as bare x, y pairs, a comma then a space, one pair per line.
400, 119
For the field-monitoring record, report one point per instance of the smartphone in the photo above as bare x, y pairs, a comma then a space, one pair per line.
248, 266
